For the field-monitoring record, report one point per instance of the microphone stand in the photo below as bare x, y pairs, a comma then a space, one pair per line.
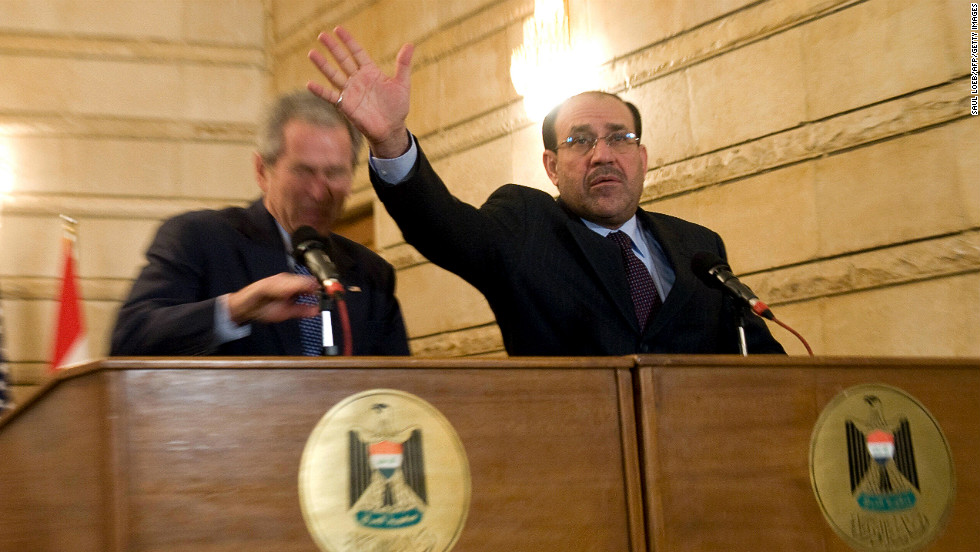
326, 318
740, 324
743, 346
332, 298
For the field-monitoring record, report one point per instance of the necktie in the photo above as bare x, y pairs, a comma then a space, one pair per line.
646, 300
310, 329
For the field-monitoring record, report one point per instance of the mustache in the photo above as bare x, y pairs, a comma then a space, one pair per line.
603, 172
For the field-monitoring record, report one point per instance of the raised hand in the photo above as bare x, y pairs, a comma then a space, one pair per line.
377, 104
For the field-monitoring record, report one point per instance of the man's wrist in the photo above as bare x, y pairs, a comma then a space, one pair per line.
226, 329
396, 146
397, 169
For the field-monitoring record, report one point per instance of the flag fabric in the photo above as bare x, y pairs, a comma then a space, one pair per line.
70, 341
5, 401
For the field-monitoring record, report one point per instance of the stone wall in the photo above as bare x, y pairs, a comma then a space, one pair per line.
828, 141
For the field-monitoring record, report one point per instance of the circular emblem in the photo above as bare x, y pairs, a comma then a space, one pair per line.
881, 470
384, 470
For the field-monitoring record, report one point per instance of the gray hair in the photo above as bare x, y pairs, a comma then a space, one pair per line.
304, 106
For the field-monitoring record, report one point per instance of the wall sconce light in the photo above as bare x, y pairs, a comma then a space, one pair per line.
548, 67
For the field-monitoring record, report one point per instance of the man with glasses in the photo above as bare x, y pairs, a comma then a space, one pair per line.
587, 274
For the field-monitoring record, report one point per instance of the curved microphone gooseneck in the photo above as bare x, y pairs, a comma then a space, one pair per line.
716, 273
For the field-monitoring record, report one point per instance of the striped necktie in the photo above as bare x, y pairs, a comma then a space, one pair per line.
646, 300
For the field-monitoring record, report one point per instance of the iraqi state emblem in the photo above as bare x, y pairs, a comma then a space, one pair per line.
384, 470
387, 474
881, 461
881, 470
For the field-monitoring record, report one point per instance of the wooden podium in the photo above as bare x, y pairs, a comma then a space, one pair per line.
203, 455
644, 454
725, 446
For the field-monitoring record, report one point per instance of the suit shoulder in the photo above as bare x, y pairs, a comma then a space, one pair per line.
519, 191
203, 230
680, 224
515, 210
519, 198
208, 217
360, 252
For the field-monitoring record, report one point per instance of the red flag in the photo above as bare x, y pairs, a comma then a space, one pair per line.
70, 342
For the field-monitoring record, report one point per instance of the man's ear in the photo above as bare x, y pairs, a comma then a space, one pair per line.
550, 160
260, 171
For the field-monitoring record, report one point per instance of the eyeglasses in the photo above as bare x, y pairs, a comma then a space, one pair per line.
619, 142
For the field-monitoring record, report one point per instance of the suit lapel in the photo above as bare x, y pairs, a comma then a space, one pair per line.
684, 281
266, 256
606, 261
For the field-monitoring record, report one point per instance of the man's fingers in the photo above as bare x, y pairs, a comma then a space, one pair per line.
320, 91
334, 75
358, 56
299, 311
273, 299
294, 284
403, 64
341, 53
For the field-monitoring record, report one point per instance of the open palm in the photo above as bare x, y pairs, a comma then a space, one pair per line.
377, 104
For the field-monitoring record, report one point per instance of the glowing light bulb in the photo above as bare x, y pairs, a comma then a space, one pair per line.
547, 67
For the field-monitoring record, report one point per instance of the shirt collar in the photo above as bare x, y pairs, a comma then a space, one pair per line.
286, 238
630, 228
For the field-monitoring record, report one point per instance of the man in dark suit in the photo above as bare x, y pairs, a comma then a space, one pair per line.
223, 283
557, 283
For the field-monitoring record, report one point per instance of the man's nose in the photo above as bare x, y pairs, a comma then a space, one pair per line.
601, 152
318, 187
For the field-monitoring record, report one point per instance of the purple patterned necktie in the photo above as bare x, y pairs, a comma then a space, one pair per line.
310, 329
646, 300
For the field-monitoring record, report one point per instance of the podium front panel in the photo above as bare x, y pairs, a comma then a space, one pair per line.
187, 455
725, 444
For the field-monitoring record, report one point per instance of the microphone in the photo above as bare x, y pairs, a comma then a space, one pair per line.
715, 273
310, 250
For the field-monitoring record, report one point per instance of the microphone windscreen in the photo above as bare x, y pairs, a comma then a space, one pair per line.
703, 263
304, 234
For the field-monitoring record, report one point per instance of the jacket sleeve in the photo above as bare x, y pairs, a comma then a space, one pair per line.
166, 312
449, 232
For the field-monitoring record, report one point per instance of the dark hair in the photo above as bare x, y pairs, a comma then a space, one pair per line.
549, 134
305, 106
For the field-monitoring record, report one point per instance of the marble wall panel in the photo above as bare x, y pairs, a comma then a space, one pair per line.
749, 92
966, 167
892, 191
665, 107
767, 220
236, 22
434, 301
216, 170
929, 318
875, 50
159, 20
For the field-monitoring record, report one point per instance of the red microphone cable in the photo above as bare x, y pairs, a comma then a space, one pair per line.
763, 310
794, 332
335, 290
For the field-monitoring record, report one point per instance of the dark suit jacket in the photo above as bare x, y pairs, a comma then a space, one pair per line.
200, 255
555, 286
